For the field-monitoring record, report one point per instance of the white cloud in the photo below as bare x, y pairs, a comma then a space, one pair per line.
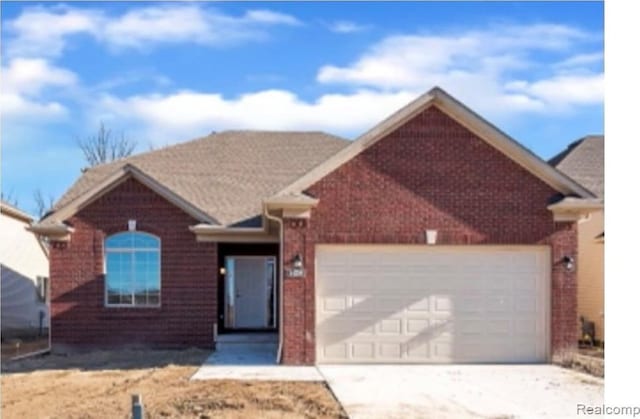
30, 75
272, 18
23, 81
187, 114
44, 31
168, 24
404, 61
580, 60
564, 91
484, 69
346, 26
477, 66
15, 106
41, 31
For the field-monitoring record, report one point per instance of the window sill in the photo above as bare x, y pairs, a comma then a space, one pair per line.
124, 312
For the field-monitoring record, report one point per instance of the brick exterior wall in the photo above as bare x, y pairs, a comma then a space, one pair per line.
431, 173
188, 277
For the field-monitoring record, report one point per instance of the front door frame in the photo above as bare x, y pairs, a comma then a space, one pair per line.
229, 309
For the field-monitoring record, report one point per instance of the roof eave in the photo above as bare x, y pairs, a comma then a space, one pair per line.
214, 233
296, 206
572, 209
52, 231
14, 212
116, 178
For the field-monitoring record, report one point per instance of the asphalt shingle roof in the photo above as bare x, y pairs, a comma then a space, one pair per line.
583, 161
226, 174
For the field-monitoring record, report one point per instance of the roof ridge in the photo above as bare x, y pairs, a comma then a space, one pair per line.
280, 131
128, 159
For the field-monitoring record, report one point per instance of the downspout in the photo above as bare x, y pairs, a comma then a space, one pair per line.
280, 283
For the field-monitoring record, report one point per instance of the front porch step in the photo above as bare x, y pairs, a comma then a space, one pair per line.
247, 338
237, 347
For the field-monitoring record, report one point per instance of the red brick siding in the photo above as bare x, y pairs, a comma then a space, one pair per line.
431, 173
188, 277
298, 301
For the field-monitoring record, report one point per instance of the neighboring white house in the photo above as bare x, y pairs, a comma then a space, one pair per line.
24, 276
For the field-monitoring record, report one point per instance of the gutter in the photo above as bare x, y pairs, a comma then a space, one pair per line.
280, 284
55, 231
577, 204
214, 229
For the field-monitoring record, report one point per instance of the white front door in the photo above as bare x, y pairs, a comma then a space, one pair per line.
249, 291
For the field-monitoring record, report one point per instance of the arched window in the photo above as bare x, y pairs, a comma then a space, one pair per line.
132, 269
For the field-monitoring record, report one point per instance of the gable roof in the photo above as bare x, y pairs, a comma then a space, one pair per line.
583, 161
464, 116
221, 178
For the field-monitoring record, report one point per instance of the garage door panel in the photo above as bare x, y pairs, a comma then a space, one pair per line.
471, 305
391, 327
335, 304
421, 305
392, 305
526, 305
499, 327
417, 325
440, 352
390, 350
442, 304
335, 351
499, 304
335, 328
418, 351
431, 304
363, 350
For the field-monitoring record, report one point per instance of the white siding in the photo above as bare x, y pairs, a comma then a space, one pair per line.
22, 259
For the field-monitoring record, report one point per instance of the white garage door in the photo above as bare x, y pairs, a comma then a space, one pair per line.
440, 304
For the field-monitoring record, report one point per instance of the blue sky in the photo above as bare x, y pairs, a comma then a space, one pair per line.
168, 72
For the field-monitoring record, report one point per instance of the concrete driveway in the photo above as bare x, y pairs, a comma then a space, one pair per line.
461, 391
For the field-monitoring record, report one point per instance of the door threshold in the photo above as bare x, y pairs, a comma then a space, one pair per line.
270, 337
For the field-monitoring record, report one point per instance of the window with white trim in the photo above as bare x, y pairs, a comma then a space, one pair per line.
132, 270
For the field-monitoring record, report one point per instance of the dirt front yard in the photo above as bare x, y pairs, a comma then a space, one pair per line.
100, 385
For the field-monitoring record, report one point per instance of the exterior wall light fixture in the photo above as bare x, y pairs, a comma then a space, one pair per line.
297, 267
569, 263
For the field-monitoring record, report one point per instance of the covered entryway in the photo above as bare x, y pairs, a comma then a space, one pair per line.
432, 304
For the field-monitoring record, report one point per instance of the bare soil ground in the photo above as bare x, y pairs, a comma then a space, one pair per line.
594, 351
100, 385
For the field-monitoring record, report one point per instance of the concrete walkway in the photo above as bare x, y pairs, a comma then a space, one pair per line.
251, 357
461, 391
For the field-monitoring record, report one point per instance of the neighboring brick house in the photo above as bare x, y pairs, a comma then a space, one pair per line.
433, 237
583, 161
